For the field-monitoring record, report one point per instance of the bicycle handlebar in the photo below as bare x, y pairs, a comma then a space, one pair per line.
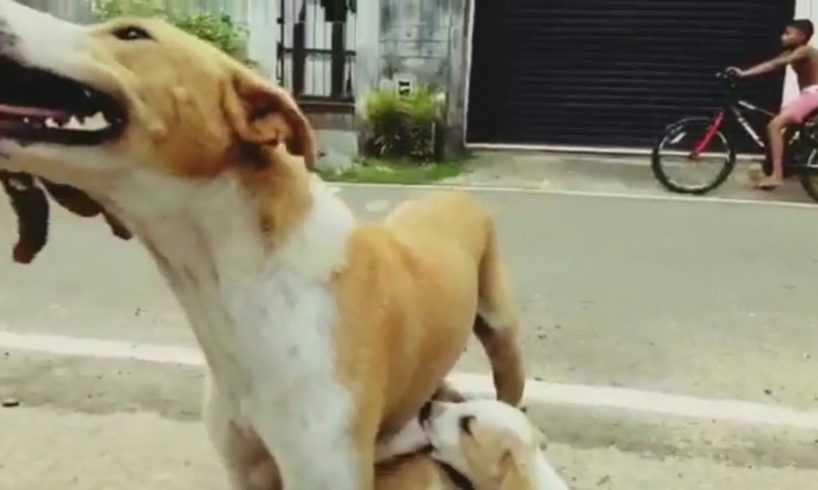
727, 75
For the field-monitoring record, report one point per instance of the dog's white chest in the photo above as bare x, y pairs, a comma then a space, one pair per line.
265, 320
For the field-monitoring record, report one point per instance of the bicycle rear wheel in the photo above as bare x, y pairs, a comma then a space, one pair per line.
688, 161
809, 176
809, 171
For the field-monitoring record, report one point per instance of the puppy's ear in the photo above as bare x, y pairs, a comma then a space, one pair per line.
515, 471
263, 114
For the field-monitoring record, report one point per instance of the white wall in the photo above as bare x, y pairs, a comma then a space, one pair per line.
803, 9
261, 18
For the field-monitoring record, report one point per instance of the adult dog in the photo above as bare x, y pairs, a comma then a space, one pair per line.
319, 333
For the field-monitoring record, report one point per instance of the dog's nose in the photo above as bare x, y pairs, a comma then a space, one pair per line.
425, 413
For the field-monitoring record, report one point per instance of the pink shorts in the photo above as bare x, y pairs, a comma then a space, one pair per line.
802, 106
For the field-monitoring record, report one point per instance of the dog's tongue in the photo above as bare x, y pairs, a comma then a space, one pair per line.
19, 111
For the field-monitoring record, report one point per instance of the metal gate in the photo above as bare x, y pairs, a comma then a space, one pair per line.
316, 55
611, 73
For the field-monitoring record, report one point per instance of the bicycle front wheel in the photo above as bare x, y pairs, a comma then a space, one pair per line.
692, 158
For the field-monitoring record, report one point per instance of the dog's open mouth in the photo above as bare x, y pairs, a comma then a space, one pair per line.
39, 106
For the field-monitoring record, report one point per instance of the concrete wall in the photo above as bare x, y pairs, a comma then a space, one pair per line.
417, 41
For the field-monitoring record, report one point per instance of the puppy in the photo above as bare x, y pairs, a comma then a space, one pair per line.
477, 444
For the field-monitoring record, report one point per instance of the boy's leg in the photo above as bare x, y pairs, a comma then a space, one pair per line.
793, 113
775, 139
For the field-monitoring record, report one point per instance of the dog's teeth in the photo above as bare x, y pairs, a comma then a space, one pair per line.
87, 93
81, 123
27, 120
52, 123
96, 122
73, 123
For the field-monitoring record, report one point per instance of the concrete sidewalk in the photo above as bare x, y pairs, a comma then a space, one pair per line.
567, 172
46, 449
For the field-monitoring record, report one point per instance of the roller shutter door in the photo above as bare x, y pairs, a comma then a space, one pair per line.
610, 73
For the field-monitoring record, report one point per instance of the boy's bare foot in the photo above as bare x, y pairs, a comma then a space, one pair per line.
769, 183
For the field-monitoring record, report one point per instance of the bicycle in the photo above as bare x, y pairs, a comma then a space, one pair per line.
696, 140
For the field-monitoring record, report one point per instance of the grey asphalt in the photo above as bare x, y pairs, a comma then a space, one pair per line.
713, 300
696, 298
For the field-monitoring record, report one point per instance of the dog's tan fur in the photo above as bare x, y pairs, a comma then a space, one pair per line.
406, 294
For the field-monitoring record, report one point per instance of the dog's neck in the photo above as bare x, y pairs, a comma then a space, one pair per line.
213, 243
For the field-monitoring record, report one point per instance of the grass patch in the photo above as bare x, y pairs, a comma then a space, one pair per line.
391, 172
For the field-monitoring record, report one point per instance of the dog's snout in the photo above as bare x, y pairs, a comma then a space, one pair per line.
425, 413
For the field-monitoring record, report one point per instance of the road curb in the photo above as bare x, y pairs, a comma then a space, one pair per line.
661, 425
684, 407
656, 424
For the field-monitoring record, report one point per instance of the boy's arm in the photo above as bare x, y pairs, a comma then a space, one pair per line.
774, 64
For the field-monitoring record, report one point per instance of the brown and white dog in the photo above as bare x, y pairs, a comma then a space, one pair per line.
320, 333
473, 445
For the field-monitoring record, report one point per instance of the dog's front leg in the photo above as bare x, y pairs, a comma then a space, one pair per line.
317, 443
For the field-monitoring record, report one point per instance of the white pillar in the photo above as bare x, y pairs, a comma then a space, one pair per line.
264, 33
367, 50
804, 9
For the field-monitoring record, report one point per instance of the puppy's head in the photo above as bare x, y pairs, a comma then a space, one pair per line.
85, 105
489, 442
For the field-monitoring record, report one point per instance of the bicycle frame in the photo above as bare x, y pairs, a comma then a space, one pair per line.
733, 109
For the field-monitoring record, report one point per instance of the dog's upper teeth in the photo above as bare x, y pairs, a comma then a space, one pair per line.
27, 120
52, 123
73, 123
82, 123
87, 93
96, 122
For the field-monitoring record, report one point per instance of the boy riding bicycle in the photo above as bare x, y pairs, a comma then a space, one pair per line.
804, 61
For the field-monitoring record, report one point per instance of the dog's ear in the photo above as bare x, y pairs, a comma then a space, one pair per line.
515, 471
30, 204
263, 114
83, 205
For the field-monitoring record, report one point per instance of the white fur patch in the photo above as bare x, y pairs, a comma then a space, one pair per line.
408, 440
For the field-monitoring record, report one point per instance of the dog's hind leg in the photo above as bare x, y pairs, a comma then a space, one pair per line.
497, 325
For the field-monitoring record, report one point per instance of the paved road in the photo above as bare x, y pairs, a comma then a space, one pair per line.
680, 297
712, 300
73, 451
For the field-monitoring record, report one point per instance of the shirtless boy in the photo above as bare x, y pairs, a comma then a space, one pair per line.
804, 61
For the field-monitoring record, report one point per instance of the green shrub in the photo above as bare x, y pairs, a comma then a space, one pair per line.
217, 29
403, 126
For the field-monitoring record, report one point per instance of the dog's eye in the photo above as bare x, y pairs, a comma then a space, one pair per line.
131, 33
465, 423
